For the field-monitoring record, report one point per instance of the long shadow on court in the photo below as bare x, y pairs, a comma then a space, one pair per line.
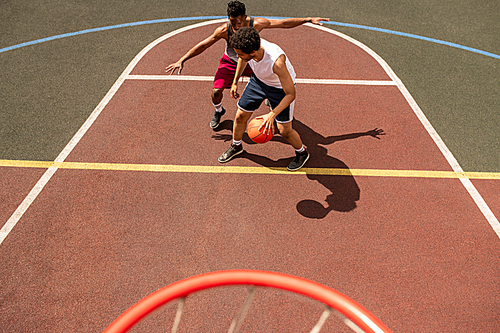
344, 190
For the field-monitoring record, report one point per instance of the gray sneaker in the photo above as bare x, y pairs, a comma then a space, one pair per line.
299, 161
214, 123
230, 153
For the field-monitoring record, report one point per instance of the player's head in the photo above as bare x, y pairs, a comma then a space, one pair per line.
245, 41
235, 9
236, 13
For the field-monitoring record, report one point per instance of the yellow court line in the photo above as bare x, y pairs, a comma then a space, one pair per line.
248, 170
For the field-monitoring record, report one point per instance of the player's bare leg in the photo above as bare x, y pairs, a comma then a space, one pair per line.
240, 124
239, 127
301, 154
217, 95
291, 135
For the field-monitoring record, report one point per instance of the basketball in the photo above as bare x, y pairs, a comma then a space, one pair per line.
256, 135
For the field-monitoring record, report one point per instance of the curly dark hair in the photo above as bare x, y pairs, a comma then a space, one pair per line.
246, 39
235, 9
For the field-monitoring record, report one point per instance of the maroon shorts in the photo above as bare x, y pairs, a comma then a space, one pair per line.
225, 73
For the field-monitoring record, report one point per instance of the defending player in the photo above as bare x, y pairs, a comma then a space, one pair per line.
273, 78
227, 65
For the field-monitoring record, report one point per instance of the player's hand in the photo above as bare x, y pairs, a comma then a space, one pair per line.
234, 91
316, 20
268, 122
170, 69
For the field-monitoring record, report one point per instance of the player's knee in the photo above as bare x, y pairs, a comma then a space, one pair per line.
217, 93
242, 117
285, 131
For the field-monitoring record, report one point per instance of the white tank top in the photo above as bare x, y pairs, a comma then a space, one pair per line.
264, 69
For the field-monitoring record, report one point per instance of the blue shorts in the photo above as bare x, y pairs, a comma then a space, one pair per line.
256, 92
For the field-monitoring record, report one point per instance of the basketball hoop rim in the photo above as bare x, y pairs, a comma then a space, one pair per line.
334, 299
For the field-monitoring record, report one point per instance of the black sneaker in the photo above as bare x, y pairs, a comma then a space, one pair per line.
214, 123
230, 153
299, 161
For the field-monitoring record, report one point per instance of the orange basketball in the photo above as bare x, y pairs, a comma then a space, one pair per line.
256, 135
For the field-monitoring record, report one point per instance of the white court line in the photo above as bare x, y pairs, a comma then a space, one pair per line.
23, 207
466, 182
35, 191
245, 79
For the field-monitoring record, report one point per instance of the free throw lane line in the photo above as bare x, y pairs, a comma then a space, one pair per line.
245, 79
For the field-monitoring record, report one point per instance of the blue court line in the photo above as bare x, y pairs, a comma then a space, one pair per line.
357, 26
124, 25
427, 39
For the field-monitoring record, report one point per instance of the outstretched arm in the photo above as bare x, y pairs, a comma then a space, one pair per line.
262, 23
219, 33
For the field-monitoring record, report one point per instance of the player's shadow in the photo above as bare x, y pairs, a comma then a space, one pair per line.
344, 190
225, 125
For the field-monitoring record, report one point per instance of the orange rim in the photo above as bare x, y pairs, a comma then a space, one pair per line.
336, 300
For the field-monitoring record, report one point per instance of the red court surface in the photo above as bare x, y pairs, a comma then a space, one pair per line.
17, 183
417, 252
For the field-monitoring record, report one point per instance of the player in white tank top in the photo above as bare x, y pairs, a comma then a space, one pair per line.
274, 79
263, 69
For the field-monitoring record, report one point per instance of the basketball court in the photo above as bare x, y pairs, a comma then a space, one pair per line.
137, 200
